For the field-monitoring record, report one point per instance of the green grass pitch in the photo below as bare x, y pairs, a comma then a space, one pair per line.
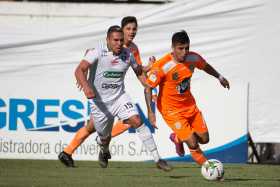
129, 174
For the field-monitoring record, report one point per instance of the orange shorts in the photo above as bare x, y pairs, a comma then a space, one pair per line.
185, 126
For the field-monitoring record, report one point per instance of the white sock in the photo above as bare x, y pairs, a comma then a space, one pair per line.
98, 140
147, 138
103, 147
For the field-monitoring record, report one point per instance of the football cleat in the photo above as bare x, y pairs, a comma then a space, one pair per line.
103, 158
66, 159
179, 145
162, 164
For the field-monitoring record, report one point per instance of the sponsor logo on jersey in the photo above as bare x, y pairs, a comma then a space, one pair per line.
175, 76
168, 66
115, 61
183, 86
153, 77
178, 125
113, 74
110, 86
124, 56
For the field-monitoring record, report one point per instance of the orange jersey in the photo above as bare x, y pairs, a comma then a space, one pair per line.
135, 51
174, 83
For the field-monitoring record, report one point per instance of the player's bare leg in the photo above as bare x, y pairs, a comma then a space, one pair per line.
146, 137
119, 128
203, 138
196, 152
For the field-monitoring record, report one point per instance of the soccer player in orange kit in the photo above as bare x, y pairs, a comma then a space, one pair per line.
172, 73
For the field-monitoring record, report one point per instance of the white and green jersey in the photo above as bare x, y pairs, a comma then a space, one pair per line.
108, 71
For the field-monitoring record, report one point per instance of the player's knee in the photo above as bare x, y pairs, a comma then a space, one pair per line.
204, 140
192, 141
193, 146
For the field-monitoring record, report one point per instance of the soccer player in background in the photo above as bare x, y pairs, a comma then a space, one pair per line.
129, 26
107, 96
172, 73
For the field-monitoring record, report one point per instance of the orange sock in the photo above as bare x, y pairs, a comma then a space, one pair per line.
119, 128
198, 156
78, 139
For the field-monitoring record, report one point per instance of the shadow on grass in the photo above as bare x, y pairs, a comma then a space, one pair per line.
180, 177
156, 176
113, 167
249, 179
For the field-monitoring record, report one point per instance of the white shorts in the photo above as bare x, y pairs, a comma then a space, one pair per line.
103, 114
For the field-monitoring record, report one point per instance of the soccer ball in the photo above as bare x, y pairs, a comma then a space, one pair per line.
212, 170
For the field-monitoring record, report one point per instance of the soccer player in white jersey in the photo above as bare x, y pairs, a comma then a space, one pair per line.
129, 26
107, 96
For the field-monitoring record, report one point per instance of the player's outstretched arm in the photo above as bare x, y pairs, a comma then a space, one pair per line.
211, 71
138, 70
80, 74
148, 99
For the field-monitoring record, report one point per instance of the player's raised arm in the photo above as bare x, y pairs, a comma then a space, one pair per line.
80, 74
211, 71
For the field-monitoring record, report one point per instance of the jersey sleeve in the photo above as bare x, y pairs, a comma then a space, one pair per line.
137, 68
91, 56
198, 60
137, 57
154, 76
200, 63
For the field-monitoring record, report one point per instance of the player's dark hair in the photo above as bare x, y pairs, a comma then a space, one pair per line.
114, 28
128, 19
180, 37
